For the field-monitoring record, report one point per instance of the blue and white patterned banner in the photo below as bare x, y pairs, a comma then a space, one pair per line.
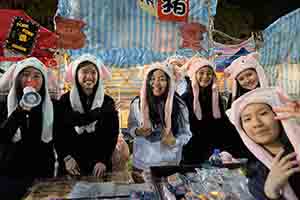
123, 34
280, 53
282, 40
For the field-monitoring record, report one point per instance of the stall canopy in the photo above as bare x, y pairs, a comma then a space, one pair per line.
280, 53
123, 34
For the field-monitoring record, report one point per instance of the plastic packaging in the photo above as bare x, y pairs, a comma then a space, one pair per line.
216, 159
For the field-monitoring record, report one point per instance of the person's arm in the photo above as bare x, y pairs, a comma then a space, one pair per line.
108, 132
62, 133
9, 125
133, 118
184, 133
282, 168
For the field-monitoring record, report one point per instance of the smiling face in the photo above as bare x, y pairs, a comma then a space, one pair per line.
31, 77
88, 76
204, 76
248, 79
159, 83
258, 122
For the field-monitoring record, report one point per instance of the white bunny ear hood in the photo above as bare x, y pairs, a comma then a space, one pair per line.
104, 73
8, 82
270, 97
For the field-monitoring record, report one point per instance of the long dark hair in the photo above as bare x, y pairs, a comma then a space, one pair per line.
205, 100
157, 117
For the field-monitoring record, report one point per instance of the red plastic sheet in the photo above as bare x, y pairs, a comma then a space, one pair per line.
45, 40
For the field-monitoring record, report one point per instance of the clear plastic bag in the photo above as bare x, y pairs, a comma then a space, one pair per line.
219, 184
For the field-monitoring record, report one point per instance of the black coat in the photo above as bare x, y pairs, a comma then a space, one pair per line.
87, 148
257, 175
29, 157
210, 133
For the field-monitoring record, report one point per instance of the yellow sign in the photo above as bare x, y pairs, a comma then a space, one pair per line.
148, 6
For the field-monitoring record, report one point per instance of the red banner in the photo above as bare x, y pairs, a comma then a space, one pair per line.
192, 35
45, 40
173, 10
70, 34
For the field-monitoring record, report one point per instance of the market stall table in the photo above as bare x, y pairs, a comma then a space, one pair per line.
112, 186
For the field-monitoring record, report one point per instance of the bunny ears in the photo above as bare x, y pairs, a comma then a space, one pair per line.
249, 61
104, 72
195, 63
9, 76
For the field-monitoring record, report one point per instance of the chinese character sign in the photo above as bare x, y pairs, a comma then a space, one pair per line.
22, 36
173, 10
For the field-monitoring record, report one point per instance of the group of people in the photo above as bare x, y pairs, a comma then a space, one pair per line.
179, 118
184, 127
79, 132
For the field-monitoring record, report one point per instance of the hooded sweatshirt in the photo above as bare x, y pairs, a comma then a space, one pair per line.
89, 125
149, 151
210, 127
28, 133
291, 129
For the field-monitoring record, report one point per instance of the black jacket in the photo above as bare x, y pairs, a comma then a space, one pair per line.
87, 148
210, 133
257, 175
29, 157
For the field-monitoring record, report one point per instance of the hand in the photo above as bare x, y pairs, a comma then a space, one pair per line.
23, 107
282, 168
72, 166
99, 169
289, 110
143, 131
168, 138
226, 157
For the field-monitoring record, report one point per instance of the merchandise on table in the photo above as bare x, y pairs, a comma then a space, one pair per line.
205, 184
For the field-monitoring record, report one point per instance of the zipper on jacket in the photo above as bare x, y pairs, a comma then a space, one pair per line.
27, 121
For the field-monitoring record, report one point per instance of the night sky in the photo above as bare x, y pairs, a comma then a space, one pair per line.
266, 12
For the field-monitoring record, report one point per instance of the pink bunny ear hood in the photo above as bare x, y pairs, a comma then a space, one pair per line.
192, 66
249, 61
268, 96
169, 70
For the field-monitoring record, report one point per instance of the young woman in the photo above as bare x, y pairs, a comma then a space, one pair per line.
158, 120
210, 127
26, 139
88, 127
275, 143
247, 74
